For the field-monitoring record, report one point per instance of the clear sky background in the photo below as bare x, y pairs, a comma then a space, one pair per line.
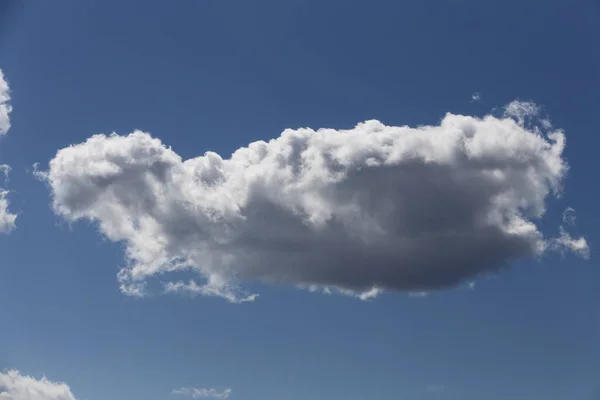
217, 75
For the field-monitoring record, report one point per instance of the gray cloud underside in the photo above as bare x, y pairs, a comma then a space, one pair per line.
362, 210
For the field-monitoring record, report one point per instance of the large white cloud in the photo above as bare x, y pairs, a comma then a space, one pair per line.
14, 386
7, 219
359, 211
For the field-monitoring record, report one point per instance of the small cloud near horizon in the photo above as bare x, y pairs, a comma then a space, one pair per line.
197, 393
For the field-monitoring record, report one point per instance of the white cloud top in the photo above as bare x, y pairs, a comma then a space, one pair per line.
7, 219
14, 386
359, 211
195, 393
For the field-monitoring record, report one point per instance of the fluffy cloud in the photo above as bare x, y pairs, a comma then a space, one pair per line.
357, 211
7, 219
200, 393
14, 386
5, 107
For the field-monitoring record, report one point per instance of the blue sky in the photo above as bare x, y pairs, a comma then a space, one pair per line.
215, 76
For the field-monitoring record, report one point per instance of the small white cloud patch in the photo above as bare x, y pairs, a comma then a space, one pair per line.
14, 386
195, 393
356, 212
7, 219
569, 216
523, 110
565, 242
5, 107
193, 289
476, 96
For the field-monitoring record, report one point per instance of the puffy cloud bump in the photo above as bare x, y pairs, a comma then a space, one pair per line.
359, 211
14, 386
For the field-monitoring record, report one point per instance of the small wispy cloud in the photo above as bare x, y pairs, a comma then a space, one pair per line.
197, 393
568, 216
565, 242
476, 96
522, 111
193, 289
